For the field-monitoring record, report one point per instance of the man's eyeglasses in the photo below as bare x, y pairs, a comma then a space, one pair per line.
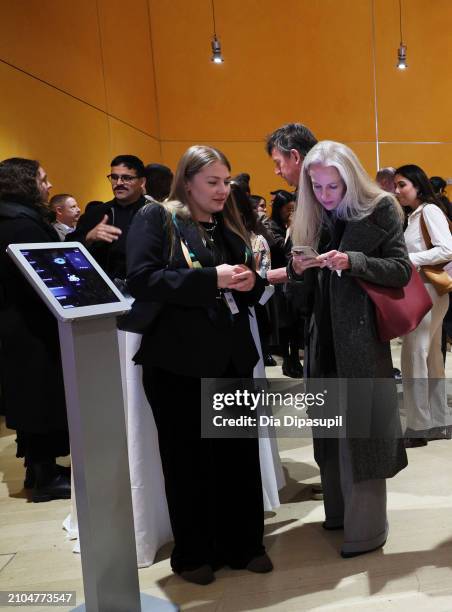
125, 178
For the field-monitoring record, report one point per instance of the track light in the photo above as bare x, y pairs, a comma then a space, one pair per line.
217, 57
401, 51
401, 57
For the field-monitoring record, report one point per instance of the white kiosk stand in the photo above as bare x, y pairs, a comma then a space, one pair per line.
86, 303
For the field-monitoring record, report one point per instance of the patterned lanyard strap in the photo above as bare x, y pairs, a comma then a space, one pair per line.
190, 257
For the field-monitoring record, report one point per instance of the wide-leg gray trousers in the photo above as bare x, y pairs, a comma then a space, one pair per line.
359, 506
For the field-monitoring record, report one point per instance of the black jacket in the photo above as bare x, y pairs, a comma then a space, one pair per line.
194, 333
111, 256
278, 247
30, 369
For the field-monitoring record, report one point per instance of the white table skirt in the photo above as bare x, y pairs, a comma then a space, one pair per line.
152, 525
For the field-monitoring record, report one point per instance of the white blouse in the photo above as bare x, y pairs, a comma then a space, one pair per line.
439, 232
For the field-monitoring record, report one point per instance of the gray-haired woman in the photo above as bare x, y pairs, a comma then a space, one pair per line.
356, 227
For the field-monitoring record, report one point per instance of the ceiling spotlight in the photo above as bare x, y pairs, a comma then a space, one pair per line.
401, 51
217, 57
401, 57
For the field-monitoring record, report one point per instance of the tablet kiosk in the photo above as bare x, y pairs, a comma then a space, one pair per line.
86, 303
69, 280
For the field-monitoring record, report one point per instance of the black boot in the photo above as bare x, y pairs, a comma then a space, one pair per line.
269, 360
288, 368
49, 482
296, 366
29, 481
30, 476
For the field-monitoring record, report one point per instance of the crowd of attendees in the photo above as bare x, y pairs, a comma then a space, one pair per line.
200, 248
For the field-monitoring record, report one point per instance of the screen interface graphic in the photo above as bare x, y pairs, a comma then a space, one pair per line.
70, 277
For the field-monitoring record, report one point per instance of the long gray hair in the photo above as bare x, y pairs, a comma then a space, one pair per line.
361, 195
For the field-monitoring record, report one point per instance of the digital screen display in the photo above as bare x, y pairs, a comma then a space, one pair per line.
71, 278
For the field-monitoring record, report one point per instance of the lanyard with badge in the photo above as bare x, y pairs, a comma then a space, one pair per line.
193, 262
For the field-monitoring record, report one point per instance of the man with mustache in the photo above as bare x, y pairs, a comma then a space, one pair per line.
104, 227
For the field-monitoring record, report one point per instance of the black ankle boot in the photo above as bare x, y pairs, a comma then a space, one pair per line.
50, 483
291, 370
201, 575
286, 369
296, 365
30, 476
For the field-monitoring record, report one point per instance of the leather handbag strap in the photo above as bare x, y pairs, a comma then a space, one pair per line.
424, 230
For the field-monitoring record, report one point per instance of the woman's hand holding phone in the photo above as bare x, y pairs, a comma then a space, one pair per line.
304, 257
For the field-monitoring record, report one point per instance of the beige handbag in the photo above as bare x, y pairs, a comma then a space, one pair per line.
436, 274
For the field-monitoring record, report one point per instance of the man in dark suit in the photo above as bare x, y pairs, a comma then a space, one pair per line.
288, 146
104, 227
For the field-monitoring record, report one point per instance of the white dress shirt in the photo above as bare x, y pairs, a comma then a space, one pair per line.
62, 229
439, 232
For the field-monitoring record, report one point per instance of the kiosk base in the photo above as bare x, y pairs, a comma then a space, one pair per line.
149, 603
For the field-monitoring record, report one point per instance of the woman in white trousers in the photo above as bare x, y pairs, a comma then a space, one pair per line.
424, 388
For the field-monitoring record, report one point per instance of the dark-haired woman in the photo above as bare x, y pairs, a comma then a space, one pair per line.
424, 389
262, 257
30, 369
287, 319
439, 186
192, 256
271, 469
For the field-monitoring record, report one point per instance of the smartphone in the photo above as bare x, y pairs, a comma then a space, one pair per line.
305, 251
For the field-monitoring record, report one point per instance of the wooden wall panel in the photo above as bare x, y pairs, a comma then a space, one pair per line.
126, 140
128, 67
56, 41
69, 138
414, 105
433, 158
305, 60
60, 64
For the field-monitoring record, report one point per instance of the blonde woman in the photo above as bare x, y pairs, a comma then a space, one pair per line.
424, 387
192, 257
356, 229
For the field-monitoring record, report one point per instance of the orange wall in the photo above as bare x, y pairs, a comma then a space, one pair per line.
282, 63
79, 86
312, 61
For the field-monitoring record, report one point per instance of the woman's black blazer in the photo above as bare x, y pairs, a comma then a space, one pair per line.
194, 333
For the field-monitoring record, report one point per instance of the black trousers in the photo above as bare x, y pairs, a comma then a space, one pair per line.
38, 448
213, 486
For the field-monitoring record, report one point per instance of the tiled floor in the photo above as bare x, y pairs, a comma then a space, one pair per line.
414, 571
